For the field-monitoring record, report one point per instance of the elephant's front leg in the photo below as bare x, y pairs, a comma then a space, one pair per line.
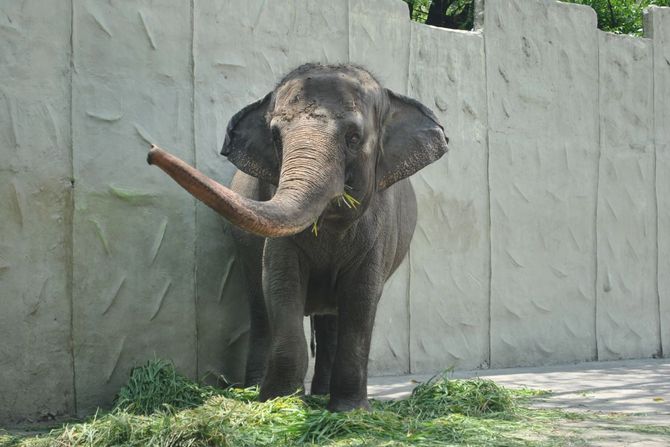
284, 287
357, 304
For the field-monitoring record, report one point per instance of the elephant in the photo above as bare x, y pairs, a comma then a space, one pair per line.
323, 214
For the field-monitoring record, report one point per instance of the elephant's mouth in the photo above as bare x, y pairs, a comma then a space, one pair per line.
339, 213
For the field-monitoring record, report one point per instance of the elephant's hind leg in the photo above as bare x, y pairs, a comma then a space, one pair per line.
325, 327
259, 338
250, 249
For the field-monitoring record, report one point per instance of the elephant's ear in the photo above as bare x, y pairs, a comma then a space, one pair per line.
412, 139
248, 144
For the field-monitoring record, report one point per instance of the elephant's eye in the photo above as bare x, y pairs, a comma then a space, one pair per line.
353, 138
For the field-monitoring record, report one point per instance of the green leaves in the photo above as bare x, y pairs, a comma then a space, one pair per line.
620, 16
616, 16
456, 14
418, 10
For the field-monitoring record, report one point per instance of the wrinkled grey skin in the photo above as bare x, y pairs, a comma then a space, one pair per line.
322, 128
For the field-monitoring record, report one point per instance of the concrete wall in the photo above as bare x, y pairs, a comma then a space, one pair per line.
134, 236
543, 235
657, 27
36, 357
542, 79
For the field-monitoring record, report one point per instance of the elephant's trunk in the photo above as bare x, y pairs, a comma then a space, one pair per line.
308, 181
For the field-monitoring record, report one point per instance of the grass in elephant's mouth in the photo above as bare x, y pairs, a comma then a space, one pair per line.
160, 407
350, 201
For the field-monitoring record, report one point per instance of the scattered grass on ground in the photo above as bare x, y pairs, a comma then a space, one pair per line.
647, 429
157, 386
158, 407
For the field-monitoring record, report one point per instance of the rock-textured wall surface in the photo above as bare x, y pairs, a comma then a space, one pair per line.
657, 27
449, 255
134, 234
36, 372
627, 310
543, 142
542, 235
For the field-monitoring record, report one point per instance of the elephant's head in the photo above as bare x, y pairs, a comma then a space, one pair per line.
328, 137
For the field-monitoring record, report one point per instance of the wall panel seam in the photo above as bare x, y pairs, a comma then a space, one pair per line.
488, 184
71, 205
409, 252
596, 275
655, 180
195, 205
349, 31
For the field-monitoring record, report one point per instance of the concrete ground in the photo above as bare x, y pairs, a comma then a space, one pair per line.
636, 393
631, 386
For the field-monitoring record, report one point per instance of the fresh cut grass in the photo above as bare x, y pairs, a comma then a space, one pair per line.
159, 407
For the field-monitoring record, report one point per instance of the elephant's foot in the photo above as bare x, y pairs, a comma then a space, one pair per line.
320, 387
254, 380
340, 404
255, 371
271, 392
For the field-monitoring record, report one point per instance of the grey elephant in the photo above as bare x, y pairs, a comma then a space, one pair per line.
324, 214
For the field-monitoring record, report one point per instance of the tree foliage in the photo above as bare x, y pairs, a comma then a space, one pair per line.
456, 14
620, 16
617, 16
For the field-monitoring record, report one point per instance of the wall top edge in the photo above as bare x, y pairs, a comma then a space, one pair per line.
627, 37
438, 29
585, 9
400, 6
654, 14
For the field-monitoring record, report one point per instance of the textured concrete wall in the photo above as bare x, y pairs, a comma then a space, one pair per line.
542, 73
36, 373
542, 235
133, 289
657, 26
626, 292
449, 286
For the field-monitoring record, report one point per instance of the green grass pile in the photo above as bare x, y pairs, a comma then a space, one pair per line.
157, 386
441, 395
158, 407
